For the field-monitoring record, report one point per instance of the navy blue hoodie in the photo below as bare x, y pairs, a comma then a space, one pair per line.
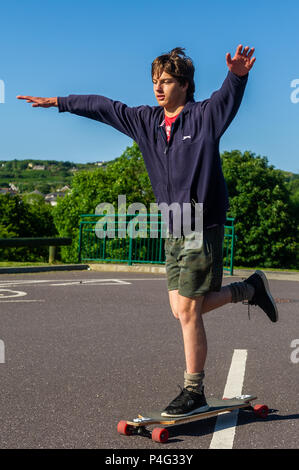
188, 167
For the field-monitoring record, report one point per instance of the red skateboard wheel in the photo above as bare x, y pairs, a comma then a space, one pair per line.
261, 411
160, 435
124, 428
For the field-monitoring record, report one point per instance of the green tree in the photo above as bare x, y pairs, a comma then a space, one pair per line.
265, 211
44, 188
260, 202
20, 218
125, 175
293, 186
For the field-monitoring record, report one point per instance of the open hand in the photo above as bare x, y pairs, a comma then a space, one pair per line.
38, 102
242, 62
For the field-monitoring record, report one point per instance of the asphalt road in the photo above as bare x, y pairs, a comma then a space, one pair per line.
82, 350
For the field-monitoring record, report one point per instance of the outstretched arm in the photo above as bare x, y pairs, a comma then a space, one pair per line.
224, 103
38, 102
114, 113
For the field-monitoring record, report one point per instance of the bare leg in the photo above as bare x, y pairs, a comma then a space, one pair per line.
173, 300
212, 300
195, 342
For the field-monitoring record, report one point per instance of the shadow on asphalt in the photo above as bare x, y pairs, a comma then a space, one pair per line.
207, 426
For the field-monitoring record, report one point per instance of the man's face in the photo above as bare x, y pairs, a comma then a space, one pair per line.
168, 92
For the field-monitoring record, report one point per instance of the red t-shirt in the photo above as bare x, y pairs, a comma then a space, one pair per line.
168, 122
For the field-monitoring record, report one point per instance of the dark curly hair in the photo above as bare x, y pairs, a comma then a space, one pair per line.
177, 64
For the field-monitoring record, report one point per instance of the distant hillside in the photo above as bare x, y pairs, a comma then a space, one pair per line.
50, 175
43, 175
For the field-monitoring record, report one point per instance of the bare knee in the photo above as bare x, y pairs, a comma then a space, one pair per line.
175, 312
173, 300
187, 315
189, 310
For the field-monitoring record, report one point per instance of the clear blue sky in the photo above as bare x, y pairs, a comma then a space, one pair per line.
56, 48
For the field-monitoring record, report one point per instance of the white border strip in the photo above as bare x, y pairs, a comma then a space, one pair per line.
223, 437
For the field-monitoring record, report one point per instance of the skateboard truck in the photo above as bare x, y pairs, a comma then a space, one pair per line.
157, 434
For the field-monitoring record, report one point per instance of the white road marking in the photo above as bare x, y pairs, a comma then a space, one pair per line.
49, 282
10, 301
12, 293
103, 282
52, 282
223, 437
22, 282
62, 283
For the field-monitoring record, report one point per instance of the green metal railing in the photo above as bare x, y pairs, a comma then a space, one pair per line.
115, 239
229, 245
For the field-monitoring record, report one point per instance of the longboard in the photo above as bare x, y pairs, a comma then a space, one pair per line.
137, 426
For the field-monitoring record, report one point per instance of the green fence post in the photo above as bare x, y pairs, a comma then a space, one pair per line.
130, 246
161, 240
103, 243
80, 241
232, 251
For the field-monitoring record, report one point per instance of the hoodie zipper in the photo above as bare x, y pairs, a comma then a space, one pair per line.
166, 149
167, 158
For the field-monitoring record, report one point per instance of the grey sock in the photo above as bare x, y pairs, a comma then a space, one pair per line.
194, 382
241, 291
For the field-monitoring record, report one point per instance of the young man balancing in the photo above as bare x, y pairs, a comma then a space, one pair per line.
179, 140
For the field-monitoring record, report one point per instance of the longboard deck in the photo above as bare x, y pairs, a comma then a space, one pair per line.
216, 407
138, 426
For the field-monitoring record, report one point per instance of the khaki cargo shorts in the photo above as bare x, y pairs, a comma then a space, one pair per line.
194, 271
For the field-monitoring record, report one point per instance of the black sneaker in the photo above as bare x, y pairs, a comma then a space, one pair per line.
262, 296
186, 403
